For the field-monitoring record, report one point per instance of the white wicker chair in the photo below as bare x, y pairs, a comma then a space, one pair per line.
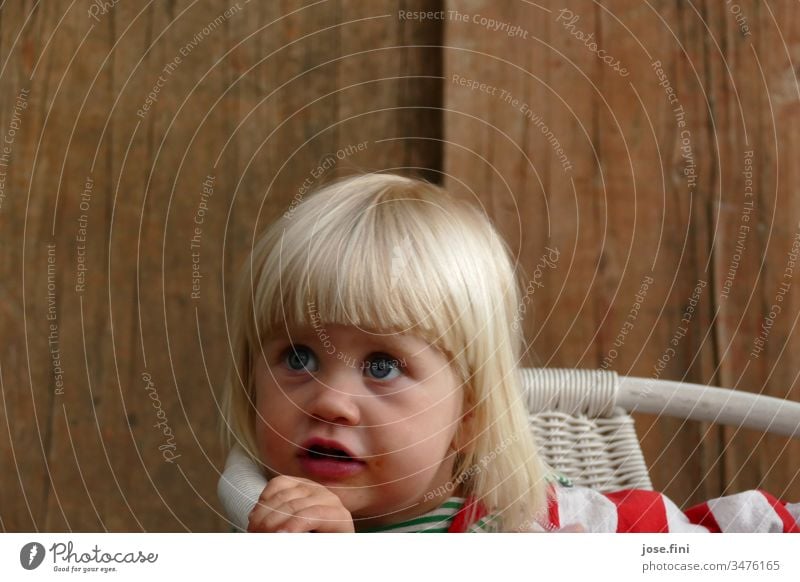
582, 422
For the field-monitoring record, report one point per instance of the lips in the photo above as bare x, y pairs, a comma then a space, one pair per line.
329, 459
326, 449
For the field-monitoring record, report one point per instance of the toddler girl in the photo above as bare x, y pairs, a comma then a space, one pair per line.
376, 383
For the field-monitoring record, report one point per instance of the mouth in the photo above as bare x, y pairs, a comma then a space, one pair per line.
323, 459
317, 448
332, 453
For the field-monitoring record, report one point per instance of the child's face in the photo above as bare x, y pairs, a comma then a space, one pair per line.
392, 401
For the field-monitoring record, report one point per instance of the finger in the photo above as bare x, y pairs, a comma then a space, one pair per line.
276, 499
264, 508
278, 491
320, 518
273, 506
281, 483
275, 519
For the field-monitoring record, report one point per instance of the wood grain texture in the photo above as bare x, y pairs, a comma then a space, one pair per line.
633, 210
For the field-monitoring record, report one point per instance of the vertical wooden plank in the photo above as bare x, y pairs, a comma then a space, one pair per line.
180, 268
534, 86
779, 55
24, 482
650, 213
759, 223
49, 406
82, 440
656, 167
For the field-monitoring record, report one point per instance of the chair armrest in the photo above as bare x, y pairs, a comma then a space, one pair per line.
710, 404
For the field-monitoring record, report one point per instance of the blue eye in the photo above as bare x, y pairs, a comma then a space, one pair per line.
382, 365
297, 358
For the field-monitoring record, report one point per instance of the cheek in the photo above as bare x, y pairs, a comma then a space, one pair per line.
273, 418
423, 431
436, 409
274, 437
271, 400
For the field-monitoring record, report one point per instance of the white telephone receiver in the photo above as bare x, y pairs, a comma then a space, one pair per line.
240, 486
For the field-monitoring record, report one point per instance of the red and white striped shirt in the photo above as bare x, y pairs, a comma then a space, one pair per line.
638, 510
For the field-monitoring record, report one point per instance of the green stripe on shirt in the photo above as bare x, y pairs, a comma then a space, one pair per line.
436, 521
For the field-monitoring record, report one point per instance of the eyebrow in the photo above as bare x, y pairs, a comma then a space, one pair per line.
389, 342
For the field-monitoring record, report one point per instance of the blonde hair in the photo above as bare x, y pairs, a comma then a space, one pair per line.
339, 250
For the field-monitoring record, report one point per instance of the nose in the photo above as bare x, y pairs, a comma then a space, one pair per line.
333, 400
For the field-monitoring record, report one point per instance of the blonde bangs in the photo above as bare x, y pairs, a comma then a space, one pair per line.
389, 260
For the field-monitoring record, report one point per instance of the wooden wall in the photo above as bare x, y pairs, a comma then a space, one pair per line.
110, 376
673, 215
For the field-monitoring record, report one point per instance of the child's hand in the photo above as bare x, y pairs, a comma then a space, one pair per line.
293, 504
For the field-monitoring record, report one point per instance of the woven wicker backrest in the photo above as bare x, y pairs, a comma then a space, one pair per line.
580, 430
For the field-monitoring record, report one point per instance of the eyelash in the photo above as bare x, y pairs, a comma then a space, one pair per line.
293, 350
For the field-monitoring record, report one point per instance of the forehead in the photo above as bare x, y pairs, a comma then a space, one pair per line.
351, 337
